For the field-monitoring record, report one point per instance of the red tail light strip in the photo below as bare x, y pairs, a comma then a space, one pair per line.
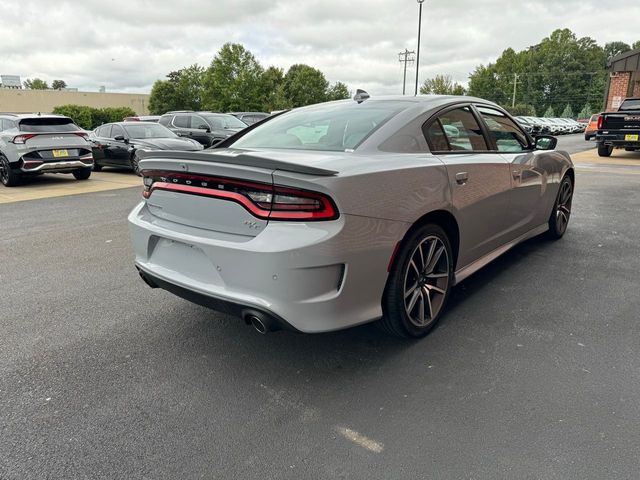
600, 121
276, 211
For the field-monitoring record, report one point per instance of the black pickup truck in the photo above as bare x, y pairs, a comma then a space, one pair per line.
619, 129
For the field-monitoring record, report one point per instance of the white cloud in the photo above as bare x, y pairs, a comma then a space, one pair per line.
127, 45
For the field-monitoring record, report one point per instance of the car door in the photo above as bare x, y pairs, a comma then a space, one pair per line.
528, 179
100, 143
200, 130
479, 180
118, 150
181, 125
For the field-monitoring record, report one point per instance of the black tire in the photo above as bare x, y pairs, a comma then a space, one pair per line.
134, 164
605, 150
96, 167
561, 214
397, 311
82, 173
8, 177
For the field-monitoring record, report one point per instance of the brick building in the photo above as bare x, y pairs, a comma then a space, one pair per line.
624, 78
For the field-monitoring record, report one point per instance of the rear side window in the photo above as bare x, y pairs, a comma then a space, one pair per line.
53, 125
505, 133
105, 131
436, 137
199, 122
182, 121
165, 120
116, 130
461, 131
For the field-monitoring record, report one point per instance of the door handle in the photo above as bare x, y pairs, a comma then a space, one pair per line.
462, 177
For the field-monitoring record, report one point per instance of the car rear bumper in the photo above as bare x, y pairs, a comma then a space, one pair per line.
313, 277
619, 139
36, 166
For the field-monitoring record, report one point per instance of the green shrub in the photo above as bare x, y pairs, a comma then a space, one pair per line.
90, 117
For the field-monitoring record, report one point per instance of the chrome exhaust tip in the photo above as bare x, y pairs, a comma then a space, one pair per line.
261, 323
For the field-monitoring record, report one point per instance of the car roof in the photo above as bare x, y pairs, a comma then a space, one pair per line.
20, 116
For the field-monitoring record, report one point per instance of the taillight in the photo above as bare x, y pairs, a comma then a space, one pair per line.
82, 134
264, 201
21, 139
600, 121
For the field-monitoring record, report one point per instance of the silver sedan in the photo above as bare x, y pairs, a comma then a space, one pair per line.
348, 212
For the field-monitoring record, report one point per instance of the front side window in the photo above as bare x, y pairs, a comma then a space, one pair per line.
222, 122
461, 131
182, 121
116, 130
504, 132
199, 123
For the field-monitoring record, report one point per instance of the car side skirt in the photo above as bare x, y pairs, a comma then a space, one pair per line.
473, 267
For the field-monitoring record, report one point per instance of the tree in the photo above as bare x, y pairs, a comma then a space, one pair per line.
233, 81
80, 114
183, 90
567, 112
90, 117
338, 91
273, 96
549, 113
36, 84
521, 109
636, 45
441, 85
58, 84
305, 85
613, 49
586, 111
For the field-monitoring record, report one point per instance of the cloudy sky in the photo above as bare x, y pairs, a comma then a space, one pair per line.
127, 45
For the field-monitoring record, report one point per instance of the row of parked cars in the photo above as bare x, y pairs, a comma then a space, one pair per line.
32, 144
551, 126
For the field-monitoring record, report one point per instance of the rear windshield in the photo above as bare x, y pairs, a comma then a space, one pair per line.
329, 127
53, 125
630, 105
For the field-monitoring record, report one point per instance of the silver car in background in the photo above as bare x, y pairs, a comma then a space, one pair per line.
347, 212
33, 144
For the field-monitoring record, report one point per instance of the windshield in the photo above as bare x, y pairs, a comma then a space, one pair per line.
630, 105
148, 130
53, 125
221, 122
328, 127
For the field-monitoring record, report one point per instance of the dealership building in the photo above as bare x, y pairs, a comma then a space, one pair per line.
624, 78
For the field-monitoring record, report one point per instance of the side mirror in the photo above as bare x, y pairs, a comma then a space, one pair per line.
120, 138
546, 142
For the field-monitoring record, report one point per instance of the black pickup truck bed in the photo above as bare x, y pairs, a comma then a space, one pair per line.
619, 129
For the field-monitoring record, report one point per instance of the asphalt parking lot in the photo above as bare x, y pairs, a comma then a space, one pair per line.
532, 373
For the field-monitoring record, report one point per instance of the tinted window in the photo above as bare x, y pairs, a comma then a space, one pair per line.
437, 138
165, 120
182, 121
198, 122
328, 127
630, 105
48, 125
148, 130
225, 121
504, 132
104, 131
462, 131
115, 131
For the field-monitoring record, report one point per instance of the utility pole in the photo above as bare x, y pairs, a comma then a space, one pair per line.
420, 2
515, 86
406, 58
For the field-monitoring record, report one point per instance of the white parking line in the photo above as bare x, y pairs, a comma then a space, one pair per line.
360, 440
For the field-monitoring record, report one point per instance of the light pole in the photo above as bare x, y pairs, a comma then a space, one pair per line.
420, 2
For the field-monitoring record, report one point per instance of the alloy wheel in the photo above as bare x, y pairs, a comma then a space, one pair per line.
426, 281
563, 208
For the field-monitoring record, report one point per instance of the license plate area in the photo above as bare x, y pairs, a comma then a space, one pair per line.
631, 138
60, 153
184, 262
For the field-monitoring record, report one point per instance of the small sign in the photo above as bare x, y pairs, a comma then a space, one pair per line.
616, 102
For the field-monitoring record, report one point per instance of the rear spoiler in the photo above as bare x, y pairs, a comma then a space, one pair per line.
212, 156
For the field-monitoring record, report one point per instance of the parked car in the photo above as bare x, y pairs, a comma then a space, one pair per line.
342, 213
142, 118
529, 126
250, 117
32, 144
592, 127
208, 128
118, 144
619, 129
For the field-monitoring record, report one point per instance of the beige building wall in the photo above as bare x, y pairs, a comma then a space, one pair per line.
28, 101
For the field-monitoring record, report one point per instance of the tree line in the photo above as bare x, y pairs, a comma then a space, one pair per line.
39, 84
90, 117
563, 75
236, 81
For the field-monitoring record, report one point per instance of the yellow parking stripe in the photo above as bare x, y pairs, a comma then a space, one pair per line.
58, 185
